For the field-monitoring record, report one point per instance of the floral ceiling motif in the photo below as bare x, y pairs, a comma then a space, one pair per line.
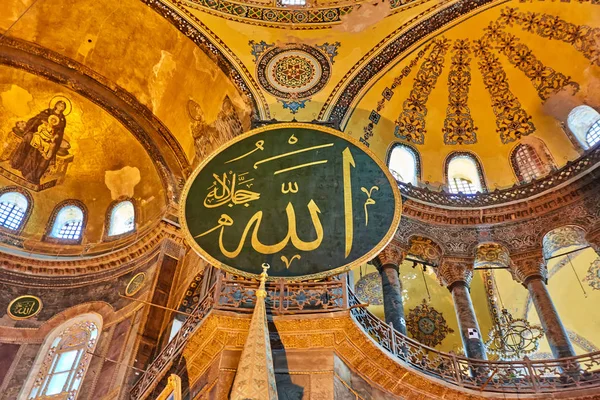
294, 72
593, 275
427, 325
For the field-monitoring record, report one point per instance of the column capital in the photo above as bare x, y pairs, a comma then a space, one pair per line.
593, 239
527, 266
454, 270
392, 256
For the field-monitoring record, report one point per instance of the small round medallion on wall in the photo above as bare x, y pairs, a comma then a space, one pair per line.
135, 284
294, 71
24, 307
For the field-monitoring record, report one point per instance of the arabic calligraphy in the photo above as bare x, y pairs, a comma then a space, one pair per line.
292, 187
223, 191
321, 146
369, 201
347, 162
293, 197
288, 262
24, 307
261, 248
259, 146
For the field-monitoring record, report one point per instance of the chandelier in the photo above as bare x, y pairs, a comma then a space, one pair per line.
513, 338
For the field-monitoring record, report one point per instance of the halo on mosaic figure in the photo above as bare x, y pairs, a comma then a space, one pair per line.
60, 97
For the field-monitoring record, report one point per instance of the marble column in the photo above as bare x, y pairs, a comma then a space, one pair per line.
530, 270
388, 264
456, 274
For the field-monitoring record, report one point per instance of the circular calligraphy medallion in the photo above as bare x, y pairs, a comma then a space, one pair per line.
308, 200
293, 72
368, 289
24, 307
135, 284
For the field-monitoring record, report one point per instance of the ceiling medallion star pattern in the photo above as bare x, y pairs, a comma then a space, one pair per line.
427, 325
368, 289
295, 72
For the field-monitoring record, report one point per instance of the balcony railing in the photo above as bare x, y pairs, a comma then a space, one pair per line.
526, 376
499, 196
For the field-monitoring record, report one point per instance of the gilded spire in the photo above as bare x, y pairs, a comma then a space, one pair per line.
255, 376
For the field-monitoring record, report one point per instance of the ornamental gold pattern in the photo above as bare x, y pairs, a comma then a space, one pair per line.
582, 37
459, 127
410, 125
545, 80
512, 121
427, 325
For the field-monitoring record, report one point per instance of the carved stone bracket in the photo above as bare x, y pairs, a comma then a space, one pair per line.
455, 270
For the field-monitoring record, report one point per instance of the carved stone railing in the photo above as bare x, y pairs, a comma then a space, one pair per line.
499, 196
526, 376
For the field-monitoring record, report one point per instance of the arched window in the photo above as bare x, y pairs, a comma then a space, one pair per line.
464, 174
14, 207
584, 123
68, 221
63, 359
527, 163
403, 162
122, 218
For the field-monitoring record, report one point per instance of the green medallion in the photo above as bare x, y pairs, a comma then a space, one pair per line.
24, 307
309, 201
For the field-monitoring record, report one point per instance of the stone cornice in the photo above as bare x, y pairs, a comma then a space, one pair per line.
12, 265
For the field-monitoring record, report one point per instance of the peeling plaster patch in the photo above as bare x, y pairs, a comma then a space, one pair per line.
200, 64
591, 91
88, 44
364, 16
16, 100
158, 82
560, 104
122, 182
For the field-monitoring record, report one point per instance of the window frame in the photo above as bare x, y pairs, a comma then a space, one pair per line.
28, 210
415, 153
52, 220
581, 137
517, 168
107, 219
43, 356
478, 165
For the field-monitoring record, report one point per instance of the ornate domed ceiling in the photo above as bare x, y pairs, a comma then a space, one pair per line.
157, 85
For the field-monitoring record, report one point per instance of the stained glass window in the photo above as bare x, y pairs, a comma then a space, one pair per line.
527, 162
68, 223
64, 361
122, 218
463, 175
13, 207
403, 164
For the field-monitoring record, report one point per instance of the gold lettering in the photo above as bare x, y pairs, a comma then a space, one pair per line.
292, 187
288, 262
259, 146
299, 166
254, 224
347, 162
293, 140
321, 146
368, 201
222, 193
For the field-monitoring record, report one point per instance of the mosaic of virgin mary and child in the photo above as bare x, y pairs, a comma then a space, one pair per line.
37, 142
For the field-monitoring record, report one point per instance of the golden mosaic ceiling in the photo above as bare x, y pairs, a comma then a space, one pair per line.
177, 78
